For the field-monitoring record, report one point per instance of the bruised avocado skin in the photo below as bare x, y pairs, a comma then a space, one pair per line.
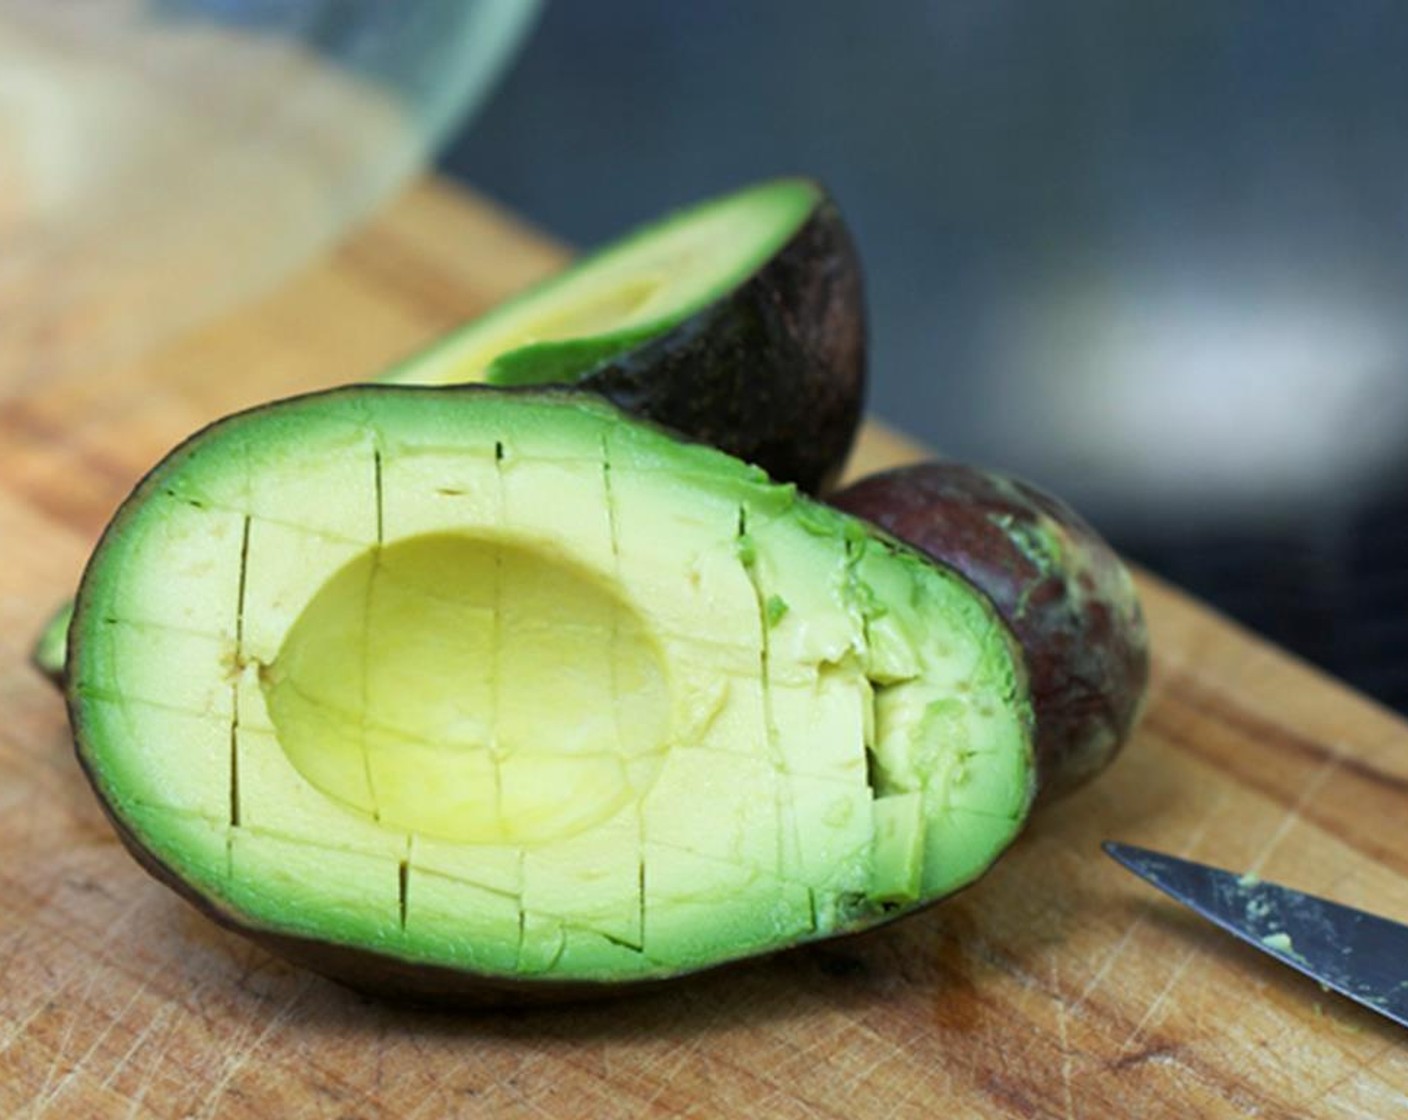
800, 318
1055, 581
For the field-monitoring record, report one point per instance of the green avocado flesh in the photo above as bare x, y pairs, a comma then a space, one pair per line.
628, 293
51, 649
509, 683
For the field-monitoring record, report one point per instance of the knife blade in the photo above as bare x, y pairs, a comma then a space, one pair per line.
1353, 952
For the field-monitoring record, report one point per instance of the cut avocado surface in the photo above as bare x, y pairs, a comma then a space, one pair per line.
433, 691
634, 288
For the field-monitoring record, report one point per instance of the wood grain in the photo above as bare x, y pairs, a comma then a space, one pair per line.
1058, 987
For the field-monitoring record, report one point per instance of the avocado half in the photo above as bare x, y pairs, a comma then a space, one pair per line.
739, 322
491, 695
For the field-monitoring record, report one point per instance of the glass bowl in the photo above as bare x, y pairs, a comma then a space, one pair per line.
161, 160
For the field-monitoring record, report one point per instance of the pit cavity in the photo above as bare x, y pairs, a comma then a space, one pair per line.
473, 689
625, 303
615, 307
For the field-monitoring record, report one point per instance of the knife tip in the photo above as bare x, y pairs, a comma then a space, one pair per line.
1144, 862
1118, 851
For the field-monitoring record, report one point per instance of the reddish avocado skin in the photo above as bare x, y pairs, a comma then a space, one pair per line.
1057, 584
774, 373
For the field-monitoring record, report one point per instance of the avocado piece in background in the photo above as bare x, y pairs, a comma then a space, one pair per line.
739, 321
476, 696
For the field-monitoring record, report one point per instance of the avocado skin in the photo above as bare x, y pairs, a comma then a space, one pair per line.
1057, 584
800, 318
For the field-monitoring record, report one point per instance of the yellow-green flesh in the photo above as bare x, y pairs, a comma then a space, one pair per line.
51, 649
515, 685
641, 285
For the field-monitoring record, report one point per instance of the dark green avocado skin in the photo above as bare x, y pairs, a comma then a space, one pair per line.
774, 373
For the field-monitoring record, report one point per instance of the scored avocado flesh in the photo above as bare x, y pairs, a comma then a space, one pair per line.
636, 288
499, 681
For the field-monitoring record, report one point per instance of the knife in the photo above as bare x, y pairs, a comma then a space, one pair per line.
1357, 954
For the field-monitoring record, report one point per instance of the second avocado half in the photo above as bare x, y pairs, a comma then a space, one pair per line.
739, 322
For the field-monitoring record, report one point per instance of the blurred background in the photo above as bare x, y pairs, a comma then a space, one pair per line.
163, 160
1153, 256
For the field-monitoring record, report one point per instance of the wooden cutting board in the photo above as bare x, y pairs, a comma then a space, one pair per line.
1058, 987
